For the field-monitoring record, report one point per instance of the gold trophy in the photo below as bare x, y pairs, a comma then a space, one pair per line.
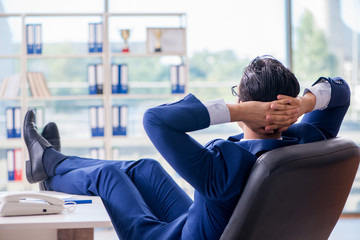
125, 34
157, 34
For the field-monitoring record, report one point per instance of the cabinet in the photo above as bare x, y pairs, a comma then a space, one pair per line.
64, 61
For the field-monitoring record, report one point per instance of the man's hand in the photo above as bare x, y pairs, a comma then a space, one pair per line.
265, 117
284, 116
275, 116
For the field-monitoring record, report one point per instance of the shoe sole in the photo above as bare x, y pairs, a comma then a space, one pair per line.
28, 172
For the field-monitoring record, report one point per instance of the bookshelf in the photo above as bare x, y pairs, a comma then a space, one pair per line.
24, 63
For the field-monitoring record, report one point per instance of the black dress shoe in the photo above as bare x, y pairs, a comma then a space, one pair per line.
36, 145
52, 135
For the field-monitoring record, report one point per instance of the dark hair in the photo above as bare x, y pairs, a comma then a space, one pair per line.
265, 78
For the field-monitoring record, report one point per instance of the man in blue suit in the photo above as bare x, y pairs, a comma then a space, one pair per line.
144, 202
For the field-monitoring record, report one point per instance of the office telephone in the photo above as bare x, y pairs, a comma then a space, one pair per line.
29, 203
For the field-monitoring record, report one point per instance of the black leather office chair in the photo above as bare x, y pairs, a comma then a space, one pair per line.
296, 192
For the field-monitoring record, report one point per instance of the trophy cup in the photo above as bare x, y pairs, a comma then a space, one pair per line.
157, 34
125, 34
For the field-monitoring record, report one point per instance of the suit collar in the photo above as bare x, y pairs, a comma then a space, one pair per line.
263, 145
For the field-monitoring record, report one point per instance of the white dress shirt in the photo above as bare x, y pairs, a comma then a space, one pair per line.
219, 112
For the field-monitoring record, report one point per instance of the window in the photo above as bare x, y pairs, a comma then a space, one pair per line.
326, 43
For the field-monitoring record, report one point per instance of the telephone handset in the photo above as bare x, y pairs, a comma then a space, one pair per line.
29, 203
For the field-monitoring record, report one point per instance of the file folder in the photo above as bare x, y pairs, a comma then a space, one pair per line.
10, 164
99, 80
17, 122
123, 119
92, 47
101, 153
123, 78
30, 38
173, 78
38, 39
18, 165
119, 78
97, 153
119, 120
92, 79
115, 120
93, 121
100, 121
9, 122
94, 153
99, 37
181, 79
115, 78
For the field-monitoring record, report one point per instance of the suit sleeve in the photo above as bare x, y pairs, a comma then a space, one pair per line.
166, 126
329, 119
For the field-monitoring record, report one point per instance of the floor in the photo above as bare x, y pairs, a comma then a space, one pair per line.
345, 229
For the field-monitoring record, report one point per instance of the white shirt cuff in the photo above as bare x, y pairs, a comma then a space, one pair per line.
322, 91
218, 111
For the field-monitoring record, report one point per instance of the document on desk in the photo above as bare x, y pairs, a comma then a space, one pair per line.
72, 200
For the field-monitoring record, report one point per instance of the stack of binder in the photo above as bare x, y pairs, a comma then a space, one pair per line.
95, 37
97, 153
38, 85
115, 153
119, 78
97, 121
96, 78
14, 164
177, 78
10, 86
13, 122
120, 120
33, 38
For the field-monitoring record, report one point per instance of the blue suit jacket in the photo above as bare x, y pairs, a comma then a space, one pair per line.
219, 169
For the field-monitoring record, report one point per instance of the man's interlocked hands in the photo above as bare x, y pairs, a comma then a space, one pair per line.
271, 117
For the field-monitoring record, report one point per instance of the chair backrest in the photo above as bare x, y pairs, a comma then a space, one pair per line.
296, 192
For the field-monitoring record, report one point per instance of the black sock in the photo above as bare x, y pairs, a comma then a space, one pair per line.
51, 159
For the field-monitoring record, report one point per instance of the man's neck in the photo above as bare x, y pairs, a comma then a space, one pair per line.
249, 134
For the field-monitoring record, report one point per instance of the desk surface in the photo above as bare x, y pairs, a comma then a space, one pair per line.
92, 215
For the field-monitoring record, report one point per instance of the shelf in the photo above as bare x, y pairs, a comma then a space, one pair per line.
100, 97
160, 54
139, 91
83, 143
9, 143
116, 141
147, 14
11, 99
94, 55
68, 98
10, 56
126, 141
146, 96
90, 14
50, 14
85, 55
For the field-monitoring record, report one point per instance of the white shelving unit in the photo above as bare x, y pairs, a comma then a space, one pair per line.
107, 98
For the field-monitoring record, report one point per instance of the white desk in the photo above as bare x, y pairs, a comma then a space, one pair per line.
79, 224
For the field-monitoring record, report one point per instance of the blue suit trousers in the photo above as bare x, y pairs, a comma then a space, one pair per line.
142, 200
